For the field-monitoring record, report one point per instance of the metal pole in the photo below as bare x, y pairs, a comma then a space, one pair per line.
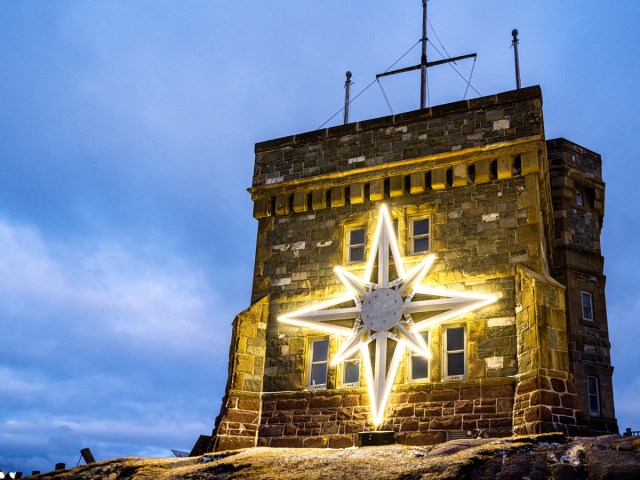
347, 94
423, 60
514, 44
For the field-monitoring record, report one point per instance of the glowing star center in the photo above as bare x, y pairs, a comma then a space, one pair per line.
381, 309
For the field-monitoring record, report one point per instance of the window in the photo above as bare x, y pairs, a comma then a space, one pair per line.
319, 355
356, 244
587, 306
418, 364
351, 371
419, 235
579, 199
593, 392
455, 354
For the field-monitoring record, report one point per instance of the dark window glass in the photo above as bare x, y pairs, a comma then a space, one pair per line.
420, 235
356, 237
455, 339
352, 371
421, 245
320, 351
419, 367
319, 362
456, 364
593, 388
319, 374
356, 245
421, 227
357, 254
587, 306
419, 364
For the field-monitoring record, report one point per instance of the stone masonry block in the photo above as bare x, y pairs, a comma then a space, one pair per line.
318, 199
234, 443
504, 167
244, 363
438, 178
529, 162
396, 184
300, 202
459, 175
376, 189
340, 441
261, 208
417, 183
282, 204
482, 171
356, 193
337, 196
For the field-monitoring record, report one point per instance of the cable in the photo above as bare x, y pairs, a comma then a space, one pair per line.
440, 42
466, 90
384, 94
367, 87
454, 68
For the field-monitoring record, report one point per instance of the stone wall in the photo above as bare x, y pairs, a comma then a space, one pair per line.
545, 399
475, 123
577, 263
237, 424
479, 234
419, 415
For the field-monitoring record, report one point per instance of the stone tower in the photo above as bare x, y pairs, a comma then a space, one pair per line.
475, 192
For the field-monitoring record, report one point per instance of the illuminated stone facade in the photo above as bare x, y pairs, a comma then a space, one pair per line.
476, 184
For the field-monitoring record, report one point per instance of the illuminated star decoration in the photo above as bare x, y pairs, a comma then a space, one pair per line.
383, 311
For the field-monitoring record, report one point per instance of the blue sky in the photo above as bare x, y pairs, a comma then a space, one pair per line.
126, 147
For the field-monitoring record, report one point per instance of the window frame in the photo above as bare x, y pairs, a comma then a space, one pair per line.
591, 394
349, 246
343, 367
311, 363
411, 237
589, 295
411, 355
446, 351
579, 198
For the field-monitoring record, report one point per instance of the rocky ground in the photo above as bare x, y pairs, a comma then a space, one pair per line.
550, 456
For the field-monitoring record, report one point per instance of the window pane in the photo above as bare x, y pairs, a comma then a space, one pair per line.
594, 395
419, 367
356, 237
587, 312
421, 245
421, 227
455, 339
320, 351
356, 254
456, 364
319, 374
352, 371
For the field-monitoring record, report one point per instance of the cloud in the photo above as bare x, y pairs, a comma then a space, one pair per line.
109, 343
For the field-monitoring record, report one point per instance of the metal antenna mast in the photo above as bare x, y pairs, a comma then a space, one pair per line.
347, 95
423, 58
514, 44
423, 61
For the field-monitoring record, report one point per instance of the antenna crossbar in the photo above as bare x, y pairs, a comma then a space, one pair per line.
429, 64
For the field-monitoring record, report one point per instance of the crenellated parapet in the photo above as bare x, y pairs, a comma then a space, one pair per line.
410, 177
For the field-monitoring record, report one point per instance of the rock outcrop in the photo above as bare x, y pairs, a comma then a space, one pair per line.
551, 456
